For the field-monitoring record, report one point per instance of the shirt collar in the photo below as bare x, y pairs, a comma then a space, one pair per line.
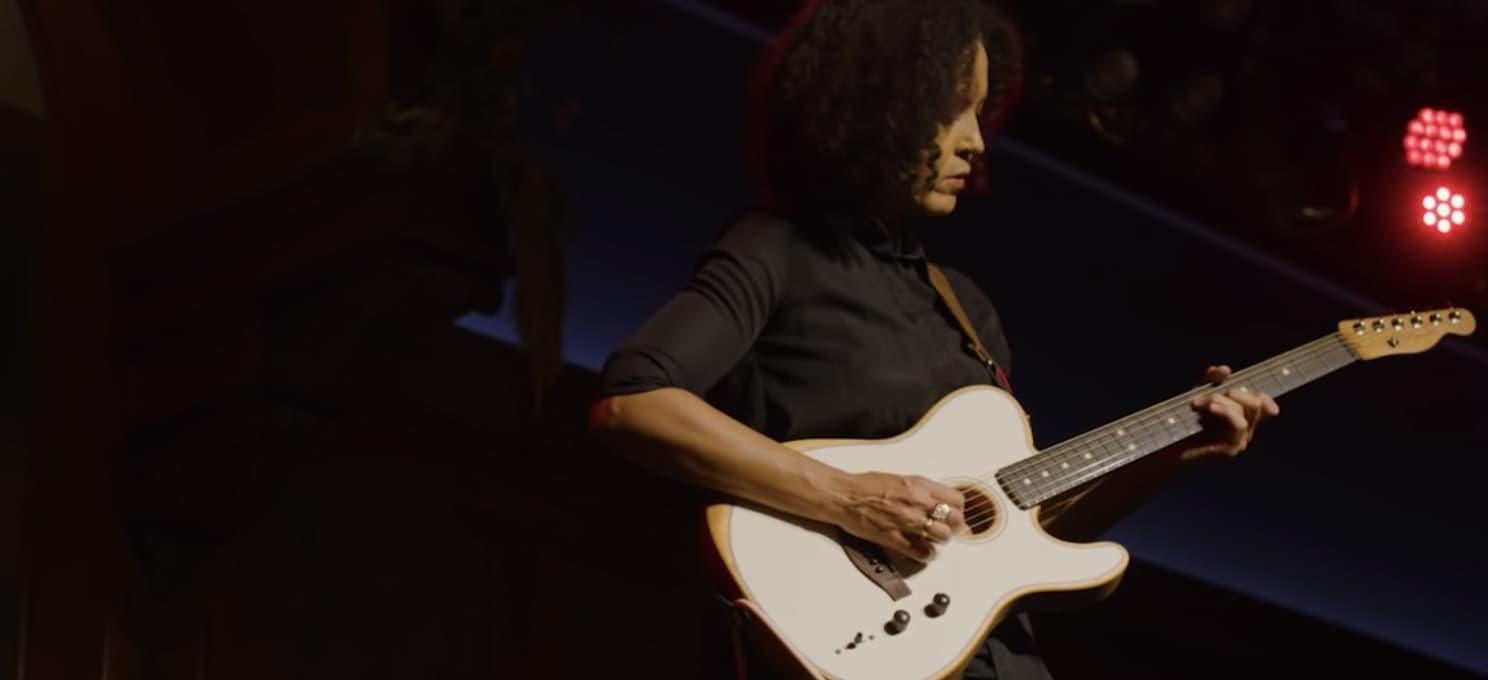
886, 242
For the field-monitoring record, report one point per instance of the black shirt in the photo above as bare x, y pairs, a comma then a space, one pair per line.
803, 337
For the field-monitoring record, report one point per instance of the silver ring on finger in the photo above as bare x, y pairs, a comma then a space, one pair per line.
925, 528
941, 511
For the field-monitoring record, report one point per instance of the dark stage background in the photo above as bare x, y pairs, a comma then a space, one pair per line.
270, 406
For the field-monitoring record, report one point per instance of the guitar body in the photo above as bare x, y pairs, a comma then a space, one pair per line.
809, 599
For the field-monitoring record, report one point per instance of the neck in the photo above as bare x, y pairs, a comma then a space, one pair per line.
1092, 455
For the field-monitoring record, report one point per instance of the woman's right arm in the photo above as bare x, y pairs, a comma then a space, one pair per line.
650, 412
674, 433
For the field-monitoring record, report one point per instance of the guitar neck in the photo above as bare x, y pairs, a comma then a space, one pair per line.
1089, 456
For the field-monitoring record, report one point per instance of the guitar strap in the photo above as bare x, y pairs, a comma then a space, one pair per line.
942, 286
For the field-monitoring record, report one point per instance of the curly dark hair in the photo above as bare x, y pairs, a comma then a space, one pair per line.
849, 97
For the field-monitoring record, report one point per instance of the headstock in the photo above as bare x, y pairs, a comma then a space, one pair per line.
1412, 333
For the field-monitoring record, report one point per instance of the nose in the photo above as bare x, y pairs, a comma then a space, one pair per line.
972, 142
969, 142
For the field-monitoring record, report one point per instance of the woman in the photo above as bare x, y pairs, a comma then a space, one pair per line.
812, 315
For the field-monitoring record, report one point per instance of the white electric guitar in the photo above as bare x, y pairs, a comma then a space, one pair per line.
823, 604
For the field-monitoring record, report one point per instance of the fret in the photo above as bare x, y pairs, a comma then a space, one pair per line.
1030, 482
1310, 368
1064, 462
1043, 480
1331, 359
1325, 363
1270, 382
1340, 354
1153, 435
1112, 448
1094, 454
1343, 353
1071, 464
1185, 422
1167, 422
1082, 457
1061, 466
1287, 377
1109, 446
1061, 475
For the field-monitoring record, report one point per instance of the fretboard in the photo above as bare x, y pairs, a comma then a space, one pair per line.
1081, 459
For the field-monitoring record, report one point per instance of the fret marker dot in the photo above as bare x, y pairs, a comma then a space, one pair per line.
1286, 371
1064, 465
1026, 482
1045, 473
1087, 456
1121, 433
1172, 420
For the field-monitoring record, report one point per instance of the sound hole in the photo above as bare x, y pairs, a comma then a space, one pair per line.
981, 510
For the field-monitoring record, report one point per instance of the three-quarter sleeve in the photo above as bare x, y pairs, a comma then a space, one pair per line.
703, 331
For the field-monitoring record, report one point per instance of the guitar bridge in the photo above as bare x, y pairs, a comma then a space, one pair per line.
873, 563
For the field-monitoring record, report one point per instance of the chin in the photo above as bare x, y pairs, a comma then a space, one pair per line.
937, 204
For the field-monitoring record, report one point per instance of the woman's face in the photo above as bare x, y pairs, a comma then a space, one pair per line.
958, 141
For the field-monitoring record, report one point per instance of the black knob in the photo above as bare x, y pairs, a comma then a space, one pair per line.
897, 624
938, 605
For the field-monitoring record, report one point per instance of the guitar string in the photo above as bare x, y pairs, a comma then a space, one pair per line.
1155, 415
1149, 419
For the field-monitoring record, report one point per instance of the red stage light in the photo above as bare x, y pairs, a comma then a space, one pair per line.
1434, 139
1444, 209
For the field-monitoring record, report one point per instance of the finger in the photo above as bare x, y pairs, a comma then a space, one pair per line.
951, 497
957, 521
1233, 415
900, 542
1216, 374
1201, 452
914, 547
1230, 411
1258, 406
938, 532
1257, 403
1252, 402
945, 494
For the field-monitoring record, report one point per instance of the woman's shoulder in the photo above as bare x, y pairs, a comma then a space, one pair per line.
760, 232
